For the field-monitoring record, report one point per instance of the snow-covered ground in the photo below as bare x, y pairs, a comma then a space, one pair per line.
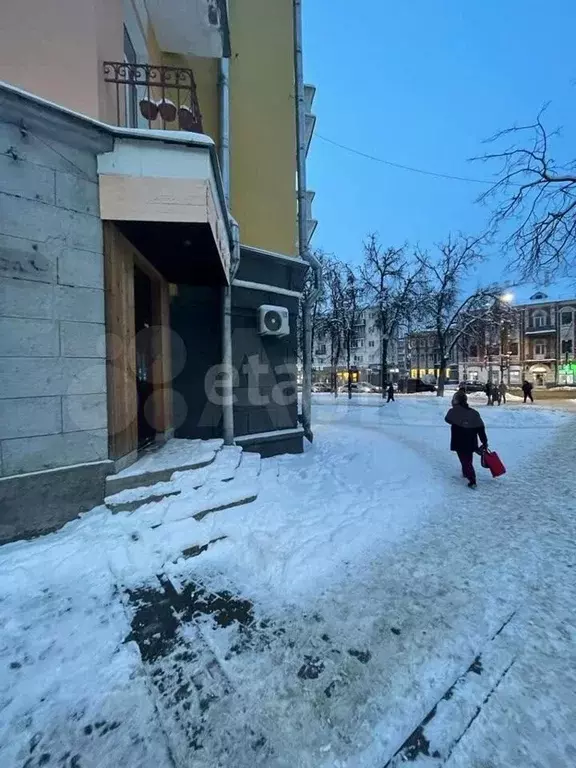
367, 602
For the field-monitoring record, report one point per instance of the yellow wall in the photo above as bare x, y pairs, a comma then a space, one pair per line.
206, 77
263, 126
262, 117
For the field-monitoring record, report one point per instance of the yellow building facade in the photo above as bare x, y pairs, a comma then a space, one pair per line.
262, 120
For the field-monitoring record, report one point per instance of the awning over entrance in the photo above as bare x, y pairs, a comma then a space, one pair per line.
163, 190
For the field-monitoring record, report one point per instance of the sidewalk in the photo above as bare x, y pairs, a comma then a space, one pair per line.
445, 637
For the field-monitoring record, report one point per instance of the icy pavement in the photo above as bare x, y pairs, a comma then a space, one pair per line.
366, 610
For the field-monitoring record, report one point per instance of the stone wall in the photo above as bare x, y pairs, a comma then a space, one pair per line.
52, 335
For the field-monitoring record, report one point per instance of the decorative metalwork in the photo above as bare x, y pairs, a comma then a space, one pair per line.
164, 96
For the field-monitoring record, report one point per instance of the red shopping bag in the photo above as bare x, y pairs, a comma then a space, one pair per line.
490, 460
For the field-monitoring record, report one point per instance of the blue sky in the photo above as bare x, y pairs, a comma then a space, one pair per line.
423, 83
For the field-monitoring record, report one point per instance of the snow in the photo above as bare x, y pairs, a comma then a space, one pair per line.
179, 137
561, 289
172, 455
375, 579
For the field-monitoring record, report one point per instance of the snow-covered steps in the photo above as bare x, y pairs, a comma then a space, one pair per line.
133, 498
231, 480
158, 465
222, 469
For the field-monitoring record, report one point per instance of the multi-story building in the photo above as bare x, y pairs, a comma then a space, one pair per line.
148, 213
536, 342
424, 360
366, 352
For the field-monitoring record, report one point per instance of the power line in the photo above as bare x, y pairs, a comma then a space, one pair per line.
400, 165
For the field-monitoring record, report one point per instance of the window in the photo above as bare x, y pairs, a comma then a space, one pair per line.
370, 343
513, 347
473, 350
567, 317
321, 349
538, 321
566, 346
358, 359
538, 296
539, 349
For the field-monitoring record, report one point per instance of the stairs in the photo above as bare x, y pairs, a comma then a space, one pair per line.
184, 479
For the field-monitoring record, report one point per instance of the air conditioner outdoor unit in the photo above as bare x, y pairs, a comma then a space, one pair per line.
273, 321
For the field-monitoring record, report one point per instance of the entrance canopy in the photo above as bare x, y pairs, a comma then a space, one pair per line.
163, 190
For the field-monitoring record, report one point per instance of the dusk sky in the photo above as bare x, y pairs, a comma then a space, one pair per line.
423, 83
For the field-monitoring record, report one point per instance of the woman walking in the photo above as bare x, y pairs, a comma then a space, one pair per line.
467, 428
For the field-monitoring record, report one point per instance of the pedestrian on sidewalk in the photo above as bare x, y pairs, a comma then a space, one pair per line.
390, 392
502, 389
466, 427
488, 392
527, 389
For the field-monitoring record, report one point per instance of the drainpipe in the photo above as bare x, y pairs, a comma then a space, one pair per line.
224, 153
308, 304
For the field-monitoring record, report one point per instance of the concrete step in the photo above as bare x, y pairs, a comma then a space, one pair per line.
223, 469
158, 465
131, 499
231, 480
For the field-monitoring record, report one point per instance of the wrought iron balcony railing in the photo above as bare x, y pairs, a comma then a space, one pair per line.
154, 96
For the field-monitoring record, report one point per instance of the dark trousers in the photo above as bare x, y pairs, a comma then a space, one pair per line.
467, 461
390, 397
528, 395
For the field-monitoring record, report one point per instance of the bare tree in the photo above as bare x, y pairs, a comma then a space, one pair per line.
450, 312
352, 308
318, 309
328, 316
391, 284
536, 198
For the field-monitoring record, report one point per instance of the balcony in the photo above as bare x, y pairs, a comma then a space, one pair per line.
310, 118
537, 330
198, 27
146, 95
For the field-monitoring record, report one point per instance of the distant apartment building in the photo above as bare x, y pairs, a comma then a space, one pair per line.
536, 343
366, 353
147, 197
423, 357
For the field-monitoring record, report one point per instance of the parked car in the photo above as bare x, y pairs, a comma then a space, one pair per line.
473, 386
417, 385
366, 388
320, 387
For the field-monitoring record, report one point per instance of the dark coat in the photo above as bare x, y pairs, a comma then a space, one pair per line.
526, 387
466, 427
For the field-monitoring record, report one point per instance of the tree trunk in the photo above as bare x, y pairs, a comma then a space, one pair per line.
442, 376
348, 359
384, 363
